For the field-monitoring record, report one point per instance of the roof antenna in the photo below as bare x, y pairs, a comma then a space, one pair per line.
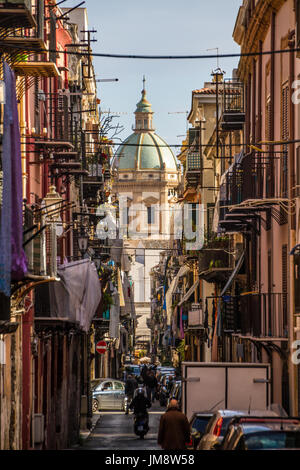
249, 408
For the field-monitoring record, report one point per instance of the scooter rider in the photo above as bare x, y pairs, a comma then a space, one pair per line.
140, 402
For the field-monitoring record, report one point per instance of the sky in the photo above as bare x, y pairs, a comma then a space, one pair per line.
160, 27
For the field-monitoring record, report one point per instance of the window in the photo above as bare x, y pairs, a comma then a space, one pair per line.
297, 192
151, 214
284, 136
107, 386
118, 386
125, 215
297, 283
284, 280
268, 119
297, 24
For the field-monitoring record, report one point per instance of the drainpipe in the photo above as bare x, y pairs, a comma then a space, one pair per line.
259, 136
293, 385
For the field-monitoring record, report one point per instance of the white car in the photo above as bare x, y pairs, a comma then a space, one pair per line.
109, 394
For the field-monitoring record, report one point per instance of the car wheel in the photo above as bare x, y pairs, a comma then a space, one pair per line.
95, 406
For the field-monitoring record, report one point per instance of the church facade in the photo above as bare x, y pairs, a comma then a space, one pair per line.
146, 180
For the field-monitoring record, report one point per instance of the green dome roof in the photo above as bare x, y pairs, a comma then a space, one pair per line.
146, 151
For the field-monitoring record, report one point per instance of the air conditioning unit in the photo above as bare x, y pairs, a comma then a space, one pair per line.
39, 432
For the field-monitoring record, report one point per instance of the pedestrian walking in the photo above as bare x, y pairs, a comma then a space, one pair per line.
174, 428
144, 371
130, 387
151, 385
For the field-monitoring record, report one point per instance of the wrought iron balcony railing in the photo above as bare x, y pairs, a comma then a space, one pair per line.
253, 177
259, 315
16, 14
233, 114
264, 315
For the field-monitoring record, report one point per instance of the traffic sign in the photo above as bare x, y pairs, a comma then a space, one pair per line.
101, 347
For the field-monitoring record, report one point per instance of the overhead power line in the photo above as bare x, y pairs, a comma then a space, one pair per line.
179, 57
162, 57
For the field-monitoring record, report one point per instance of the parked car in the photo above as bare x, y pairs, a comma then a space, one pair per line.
198, 423
134, 369
109, 394
218, 425
257, 433
166, 370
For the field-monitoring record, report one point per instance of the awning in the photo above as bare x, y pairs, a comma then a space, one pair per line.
234, 273
189, 293
78, 294
182, 272
120, 290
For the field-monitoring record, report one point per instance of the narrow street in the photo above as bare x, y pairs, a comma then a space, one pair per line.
149, 226
114, 430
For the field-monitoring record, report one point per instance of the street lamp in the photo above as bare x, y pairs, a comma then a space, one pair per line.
83, 240
51, 203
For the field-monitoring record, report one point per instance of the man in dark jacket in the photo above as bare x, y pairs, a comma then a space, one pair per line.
140, 403
174, 429
151, 385
130, 387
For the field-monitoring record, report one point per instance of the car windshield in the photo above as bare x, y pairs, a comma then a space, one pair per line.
273, 440
199, 423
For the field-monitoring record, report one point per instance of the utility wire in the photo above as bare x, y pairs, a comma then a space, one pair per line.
162, 57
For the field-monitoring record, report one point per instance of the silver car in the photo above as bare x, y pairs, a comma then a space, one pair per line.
219, 422
109, 394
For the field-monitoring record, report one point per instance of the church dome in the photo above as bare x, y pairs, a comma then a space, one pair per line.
144, 149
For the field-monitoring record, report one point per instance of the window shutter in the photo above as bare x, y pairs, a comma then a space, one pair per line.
52, 38
284, 253
297, 192
297, 11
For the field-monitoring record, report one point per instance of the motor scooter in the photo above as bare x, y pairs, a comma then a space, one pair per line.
141, 426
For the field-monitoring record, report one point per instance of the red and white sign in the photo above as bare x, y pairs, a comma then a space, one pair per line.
101, 347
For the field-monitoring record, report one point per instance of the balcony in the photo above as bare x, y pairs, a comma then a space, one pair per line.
251, 186
22, 44
194, 157
264, 315
193, 168
36, 69
58, 142
16, 14
257, 316
40, 242
233, 115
